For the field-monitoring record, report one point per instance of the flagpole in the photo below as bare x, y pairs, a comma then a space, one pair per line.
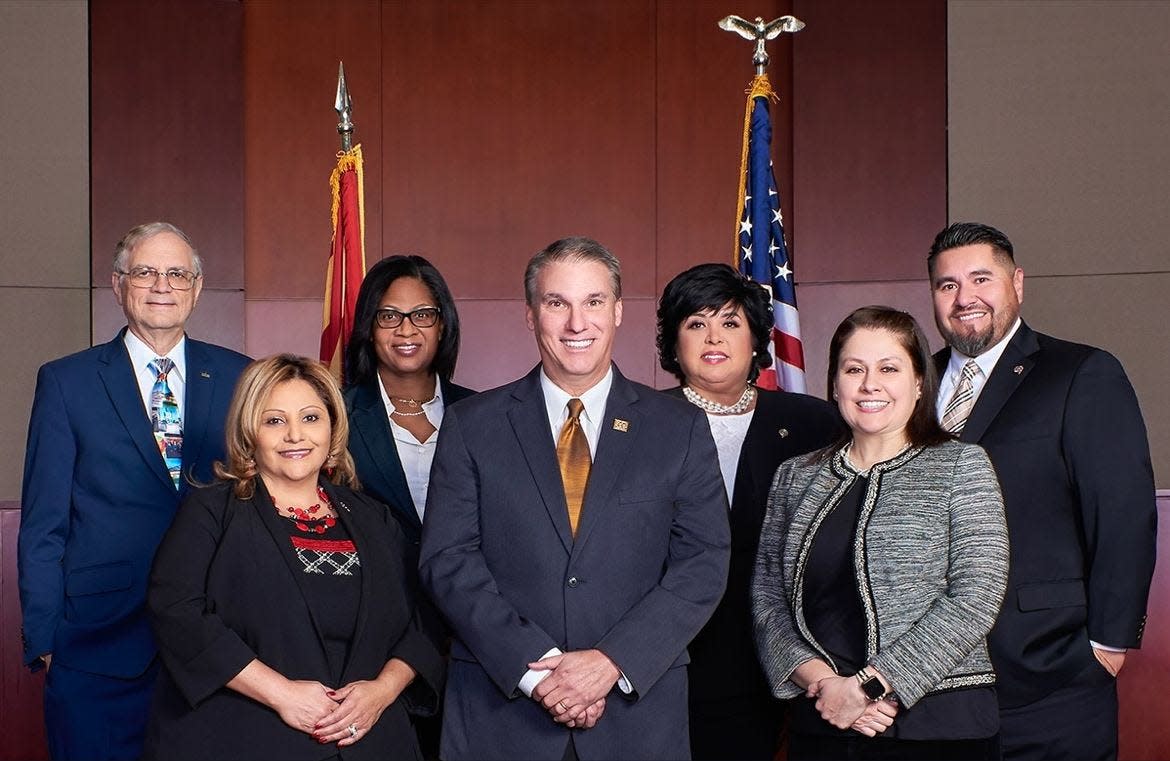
760, 252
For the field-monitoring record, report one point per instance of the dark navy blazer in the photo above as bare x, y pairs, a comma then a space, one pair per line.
97, 499
1062, 426
375, 455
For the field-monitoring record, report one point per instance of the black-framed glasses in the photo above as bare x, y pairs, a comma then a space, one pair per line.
423, 317
146, 277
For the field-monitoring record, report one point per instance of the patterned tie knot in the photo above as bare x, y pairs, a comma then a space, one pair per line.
970, 371
161, 366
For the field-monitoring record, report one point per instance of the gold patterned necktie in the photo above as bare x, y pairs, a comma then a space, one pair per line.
574, 460
959, 407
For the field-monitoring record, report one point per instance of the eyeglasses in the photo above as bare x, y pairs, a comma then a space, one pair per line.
423, 317
146, 277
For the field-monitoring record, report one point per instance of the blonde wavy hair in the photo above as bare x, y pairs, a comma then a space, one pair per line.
248, 403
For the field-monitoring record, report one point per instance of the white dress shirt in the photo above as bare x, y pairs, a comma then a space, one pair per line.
416, 457
142, 355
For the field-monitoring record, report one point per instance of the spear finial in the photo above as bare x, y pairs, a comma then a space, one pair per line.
344, 108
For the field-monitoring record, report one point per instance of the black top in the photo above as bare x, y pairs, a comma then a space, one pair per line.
836, 620
332, 584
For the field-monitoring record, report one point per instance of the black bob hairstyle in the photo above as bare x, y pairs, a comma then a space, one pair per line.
707, 288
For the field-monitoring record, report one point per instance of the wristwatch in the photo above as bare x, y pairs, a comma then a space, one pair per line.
871, 685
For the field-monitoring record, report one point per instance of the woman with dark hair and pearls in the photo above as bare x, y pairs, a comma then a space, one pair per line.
714, 327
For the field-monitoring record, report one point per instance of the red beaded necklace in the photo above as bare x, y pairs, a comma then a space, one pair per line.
304, 518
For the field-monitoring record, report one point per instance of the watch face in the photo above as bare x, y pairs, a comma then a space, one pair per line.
872, 688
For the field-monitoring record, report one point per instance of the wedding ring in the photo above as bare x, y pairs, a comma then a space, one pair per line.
563, 706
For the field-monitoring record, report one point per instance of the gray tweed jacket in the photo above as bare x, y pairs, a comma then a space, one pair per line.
930, 557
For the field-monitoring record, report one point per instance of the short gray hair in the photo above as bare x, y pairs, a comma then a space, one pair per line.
571, 250
145, 232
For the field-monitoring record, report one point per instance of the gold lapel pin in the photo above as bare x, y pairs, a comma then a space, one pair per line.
204, 374
621, 425
783, 433
1018, 369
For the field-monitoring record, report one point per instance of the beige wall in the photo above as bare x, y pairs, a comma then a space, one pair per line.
44, 204
1059, 113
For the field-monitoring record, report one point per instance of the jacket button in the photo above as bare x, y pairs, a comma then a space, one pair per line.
573, 581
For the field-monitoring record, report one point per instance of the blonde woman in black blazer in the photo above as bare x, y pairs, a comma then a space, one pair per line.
283, 601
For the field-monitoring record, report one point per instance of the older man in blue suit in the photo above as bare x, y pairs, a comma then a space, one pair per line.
117, 434
576, 538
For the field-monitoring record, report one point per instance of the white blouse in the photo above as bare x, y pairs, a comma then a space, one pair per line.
729, 432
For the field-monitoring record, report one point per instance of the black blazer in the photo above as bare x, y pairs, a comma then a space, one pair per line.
375, 455
1062, 426
723, 655
224, 591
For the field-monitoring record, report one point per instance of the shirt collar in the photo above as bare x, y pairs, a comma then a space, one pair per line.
556, 399
142, 355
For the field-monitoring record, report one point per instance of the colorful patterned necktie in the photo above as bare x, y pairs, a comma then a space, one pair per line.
575, 462
959, 407
165, 420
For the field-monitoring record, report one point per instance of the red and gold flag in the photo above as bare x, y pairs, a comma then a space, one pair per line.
347, 258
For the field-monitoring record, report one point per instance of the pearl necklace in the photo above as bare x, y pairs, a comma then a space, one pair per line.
715, 408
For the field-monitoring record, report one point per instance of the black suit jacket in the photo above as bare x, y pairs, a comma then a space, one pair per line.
723, 656
375, 455
223, 591
1062, 426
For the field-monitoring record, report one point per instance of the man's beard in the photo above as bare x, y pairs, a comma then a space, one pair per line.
970, 344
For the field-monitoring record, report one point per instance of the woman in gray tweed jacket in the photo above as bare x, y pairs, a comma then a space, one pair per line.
882, 566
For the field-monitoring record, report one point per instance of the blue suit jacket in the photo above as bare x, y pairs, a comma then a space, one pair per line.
97, 499
375, 455
648, 566
1062, 426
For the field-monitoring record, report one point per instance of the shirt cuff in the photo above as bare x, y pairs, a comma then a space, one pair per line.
533, 677
624, 684
1108, 648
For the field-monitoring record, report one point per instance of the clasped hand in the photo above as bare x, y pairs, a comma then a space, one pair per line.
326, 714
574, 691
841, 702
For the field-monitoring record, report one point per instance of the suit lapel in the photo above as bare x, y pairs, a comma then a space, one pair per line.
200, 386
373, 428
615, 447
530, 424
121, 385
262, 503
356, 523
1017, 360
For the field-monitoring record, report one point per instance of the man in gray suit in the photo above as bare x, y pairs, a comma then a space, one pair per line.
576, 539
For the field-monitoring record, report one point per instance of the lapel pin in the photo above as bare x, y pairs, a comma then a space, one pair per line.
1018, 369
204, 374
783, 433
621, 425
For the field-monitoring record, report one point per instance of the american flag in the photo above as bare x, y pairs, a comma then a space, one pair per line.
761, 253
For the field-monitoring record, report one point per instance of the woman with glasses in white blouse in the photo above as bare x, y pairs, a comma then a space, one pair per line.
398, 371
